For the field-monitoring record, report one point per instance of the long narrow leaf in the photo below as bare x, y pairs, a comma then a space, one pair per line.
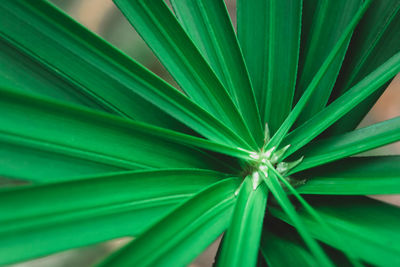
115, 139
95, 70
283, 200
169, 41
329, 21
241, 242
341, 106
341, 146
368, 227
21, 72
270, 55
373, 43
184, 233
90, 205
354, 176
88, 68
209, 26
42, 162
294, 114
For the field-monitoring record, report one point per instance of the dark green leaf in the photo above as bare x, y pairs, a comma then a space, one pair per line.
280, 195
278, 240
374, 41
368, 227
329, 21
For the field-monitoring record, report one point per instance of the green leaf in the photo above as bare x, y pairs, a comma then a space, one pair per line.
311, 211
271, 56
354, 176
165, 36
21, 72
209, 26
241, 242
87, 61
114, 140
184, 233
55, 210
341, 106
373, 43
329, 21
80, 67
300, 105
284, 202
341, 146
41, 162
277, 240
368, 227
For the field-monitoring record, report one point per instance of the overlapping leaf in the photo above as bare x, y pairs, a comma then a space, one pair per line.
121, 199
185, 232
169, 41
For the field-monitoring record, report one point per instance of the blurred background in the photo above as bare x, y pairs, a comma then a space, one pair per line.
103, 18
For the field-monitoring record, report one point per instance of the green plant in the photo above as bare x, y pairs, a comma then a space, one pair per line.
111, 150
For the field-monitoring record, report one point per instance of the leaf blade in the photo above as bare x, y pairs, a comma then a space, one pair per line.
280, 195
92, 66
372, 44
58, 207
168, 40
209, 26
241, 242
129, 143
354, 176
300, 105
357, 141
271, 57
329, 21
342, 105
367, 226
167, 234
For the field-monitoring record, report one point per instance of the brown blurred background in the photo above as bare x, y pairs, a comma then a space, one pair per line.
103, 18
